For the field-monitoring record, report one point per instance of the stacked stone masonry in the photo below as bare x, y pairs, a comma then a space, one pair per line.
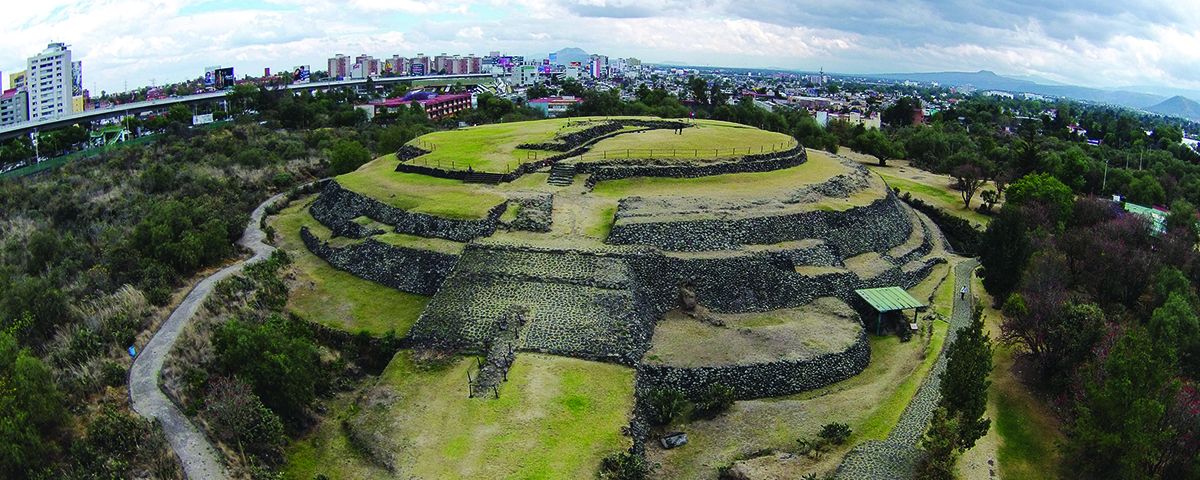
405, 269
650, 167
337, 208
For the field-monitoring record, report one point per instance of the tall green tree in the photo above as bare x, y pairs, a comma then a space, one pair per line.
1006, 250
31, 411
940, 445
1121, 428
965, 381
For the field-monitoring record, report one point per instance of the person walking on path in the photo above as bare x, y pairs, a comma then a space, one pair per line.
962, 294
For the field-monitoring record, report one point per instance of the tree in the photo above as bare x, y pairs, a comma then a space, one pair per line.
874, 142
970, 175
1006, 250
1121, 428
1045, 189
346, 156
940, 444
31, 408
699, 89
965, 381
1182, 217
900, 113
1175, 328
277, 358
238, 417
716, 95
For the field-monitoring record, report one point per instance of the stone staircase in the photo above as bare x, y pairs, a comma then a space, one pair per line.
500, 356
562, 174
483, 177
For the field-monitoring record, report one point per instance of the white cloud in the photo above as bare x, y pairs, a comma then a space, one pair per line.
1104, 44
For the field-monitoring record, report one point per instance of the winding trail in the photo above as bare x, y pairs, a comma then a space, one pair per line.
200, 460
897, 456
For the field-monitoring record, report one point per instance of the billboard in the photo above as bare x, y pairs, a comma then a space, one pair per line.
224, 77
202, 119
218, 77
300, 74
77, 78
417, 68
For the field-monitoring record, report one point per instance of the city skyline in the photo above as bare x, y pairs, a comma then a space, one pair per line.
1106, 45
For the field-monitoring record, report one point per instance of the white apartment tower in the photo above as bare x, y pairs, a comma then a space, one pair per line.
50, 82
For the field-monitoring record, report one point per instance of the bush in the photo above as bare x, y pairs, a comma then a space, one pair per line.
346, 156
666, 405
624, 466
238, 417
835, 433
277, 358
714, 401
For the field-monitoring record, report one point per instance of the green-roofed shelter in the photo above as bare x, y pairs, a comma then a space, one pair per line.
1157, 219
888, 299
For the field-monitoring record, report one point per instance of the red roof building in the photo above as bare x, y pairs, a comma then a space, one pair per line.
435, 105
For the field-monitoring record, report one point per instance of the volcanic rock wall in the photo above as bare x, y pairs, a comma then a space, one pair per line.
760, 380
405, 269
337, 208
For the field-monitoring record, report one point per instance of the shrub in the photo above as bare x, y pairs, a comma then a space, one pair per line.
624, 466
236, 414
666, 405
835, 433
714, 401
346, 156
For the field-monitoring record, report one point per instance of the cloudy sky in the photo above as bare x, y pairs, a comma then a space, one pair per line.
1103, 43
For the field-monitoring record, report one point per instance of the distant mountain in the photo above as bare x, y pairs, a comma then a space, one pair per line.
1178, 106
571, 54
987, 80
1161, 90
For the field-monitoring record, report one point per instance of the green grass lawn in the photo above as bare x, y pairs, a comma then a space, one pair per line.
556, 418
1026, 431
493, 148
326, 295
419, 193
948, 200
708, 139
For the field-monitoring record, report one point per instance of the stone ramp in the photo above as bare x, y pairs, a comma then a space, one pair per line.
575, 303
500, 356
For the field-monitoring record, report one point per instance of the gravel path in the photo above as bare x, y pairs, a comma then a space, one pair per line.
200, 460
896, 456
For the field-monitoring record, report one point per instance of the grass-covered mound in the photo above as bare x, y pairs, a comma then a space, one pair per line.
556, 418
420, 193
326, 295
493, 148
705, 139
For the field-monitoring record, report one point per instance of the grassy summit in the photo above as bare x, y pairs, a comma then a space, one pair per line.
707, 139
493, 148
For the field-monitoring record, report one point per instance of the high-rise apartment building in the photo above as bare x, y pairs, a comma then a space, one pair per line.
339, 66
14, 106
51, 82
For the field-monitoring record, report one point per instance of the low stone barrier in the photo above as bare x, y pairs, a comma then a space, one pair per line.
337, 208
874, 227
405, 269
761, 380
615, 170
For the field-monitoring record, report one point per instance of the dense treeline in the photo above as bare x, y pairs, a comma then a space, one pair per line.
90, 252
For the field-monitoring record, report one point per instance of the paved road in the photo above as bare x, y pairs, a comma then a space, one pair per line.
896, 457
199, 458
